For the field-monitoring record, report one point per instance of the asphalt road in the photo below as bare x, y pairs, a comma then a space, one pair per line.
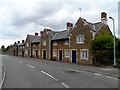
35, 73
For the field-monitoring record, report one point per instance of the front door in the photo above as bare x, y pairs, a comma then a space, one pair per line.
73, 56
44, 54
36, 53
22, 53
60, 55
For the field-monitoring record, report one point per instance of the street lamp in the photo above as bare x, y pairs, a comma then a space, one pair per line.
114, 40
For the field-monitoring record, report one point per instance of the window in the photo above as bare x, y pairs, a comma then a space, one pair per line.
27, 44
80, 39
33, 52
66, 42
84, 54
33, 45
39, 52
26, 51
54, 52
44, 42
55, 43
67, 53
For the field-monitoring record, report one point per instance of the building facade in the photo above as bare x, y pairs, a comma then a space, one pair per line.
71, 45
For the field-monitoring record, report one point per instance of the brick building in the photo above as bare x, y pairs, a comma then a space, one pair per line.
70, 45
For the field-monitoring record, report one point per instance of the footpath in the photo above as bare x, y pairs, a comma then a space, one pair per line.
2, 72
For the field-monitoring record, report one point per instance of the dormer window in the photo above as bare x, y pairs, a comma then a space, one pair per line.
80, 39
55, 43
66, 42
44, 42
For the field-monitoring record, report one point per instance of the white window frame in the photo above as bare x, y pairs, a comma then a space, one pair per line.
44, 42
26, 52
83, 57
54, 43
80, 39
65, 53
33, 52
54, 52
27, 44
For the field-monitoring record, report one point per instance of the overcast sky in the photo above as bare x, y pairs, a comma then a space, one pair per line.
21, 17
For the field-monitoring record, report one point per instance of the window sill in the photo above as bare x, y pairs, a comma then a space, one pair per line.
80, 42
84, 59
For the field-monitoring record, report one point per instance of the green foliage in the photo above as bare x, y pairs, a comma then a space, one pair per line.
3, 48
8, 47
102, 47
118, 51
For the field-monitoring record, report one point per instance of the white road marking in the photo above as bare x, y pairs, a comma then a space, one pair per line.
31, 66
49, 75
65, 85
76, 70
20, 62
112, 77
27, 64
97, 74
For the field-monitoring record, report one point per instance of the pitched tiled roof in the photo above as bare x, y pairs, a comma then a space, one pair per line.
20, 44
62, 35
36, 40
94, 26
33, 37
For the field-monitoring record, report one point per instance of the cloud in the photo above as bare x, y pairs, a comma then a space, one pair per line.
21, 17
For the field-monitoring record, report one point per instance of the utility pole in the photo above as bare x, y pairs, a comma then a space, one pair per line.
114, 40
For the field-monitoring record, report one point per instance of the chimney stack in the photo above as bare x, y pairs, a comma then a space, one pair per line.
104, 18
22, 41
69, 25
18, 41
36, 34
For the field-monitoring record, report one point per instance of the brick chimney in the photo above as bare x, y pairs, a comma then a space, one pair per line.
18, 41
22, 41
69, 26
36, 34
104, 18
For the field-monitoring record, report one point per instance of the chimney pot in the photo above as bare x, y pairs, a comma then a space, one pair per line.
22, 41
69, 25
36, 34
18, 41
104, 18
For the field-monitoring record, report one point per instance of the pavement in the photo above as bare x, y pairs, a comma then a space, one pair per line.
104, 70
2, 72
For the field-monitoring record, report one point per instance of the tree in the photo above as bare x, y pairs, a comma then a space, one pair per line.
8, 47
3, 48
102, 47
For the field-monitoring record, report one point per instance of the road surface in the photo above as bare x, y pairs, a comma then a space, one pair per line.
24, 72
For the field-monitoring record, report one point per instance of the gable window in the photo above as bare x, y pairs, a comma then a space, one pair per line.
27, 44
66, 42
84, 54
44, 42
67, 53
54, 52
80, 39
55, 43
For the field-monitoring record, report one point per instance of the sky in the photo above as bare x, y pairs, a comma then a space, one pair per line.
21, 17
